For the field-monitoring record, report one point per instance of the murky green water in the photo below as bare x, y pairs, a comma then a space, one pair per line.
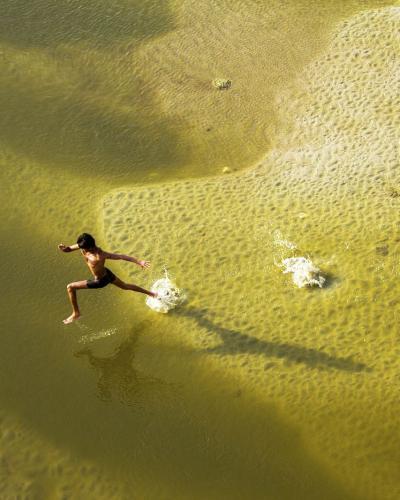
236, 395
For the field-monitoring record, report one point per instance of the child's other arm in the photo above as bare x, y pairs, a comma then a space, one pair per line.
69, 248
117, 256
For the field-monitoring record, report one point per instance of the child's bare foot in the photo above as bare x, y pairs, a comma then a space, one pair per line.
71, 318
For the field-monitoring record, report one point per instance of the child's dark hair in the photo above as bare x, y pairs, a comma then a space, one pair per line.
86, 241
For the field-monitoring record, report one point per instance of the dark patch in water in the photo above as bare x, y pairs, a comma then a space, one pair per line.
39, 23
235, 342
382, 250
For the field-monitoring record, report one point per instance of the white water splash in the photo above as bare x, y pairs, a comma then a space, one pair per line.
169, 295
305, 273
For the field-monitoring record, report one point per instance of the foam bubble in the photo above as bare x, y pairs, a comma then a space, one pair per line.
305, 273
169, 295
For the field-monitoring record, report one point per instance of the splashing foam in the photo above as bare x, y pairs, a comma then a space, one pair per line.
305, 273
169, 295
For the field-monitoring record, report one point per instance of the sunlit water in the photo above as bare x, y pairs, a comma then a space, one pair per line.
253, 388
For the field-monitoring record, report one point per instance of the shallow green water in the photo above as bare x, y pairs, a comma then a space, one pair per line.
96, 96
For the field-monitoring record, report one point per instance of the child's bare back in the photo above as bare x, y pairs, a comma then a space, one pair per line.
95, 261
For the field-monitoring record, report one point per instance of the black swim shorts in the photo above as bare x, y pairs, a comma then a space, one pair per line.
108, 277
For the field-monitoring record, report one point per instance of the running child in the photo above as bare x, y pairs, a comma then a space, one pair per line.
95, 258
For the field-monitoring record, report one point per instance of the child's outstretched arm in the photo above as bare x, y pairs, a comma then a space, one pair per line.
69, 248
144, 264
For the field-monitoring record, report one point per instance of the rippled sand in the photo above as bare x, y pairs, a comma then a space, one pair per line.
327, 358
255, 388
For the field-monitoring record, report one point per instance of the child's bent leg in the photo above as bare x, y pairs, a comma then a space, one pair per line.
71, 290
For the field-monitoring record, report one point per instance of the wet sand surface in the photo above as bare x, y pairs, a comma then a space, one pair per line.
254, 388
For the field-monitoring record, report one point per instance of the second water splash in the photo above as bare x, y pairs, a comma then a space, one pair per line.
305, 272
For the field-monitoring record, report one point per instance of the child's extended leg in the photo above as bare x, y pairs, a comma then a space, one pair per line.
126, 286
71, 289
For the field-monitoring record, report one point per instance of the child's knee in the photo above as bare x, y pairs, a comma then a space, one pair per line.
70, 287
